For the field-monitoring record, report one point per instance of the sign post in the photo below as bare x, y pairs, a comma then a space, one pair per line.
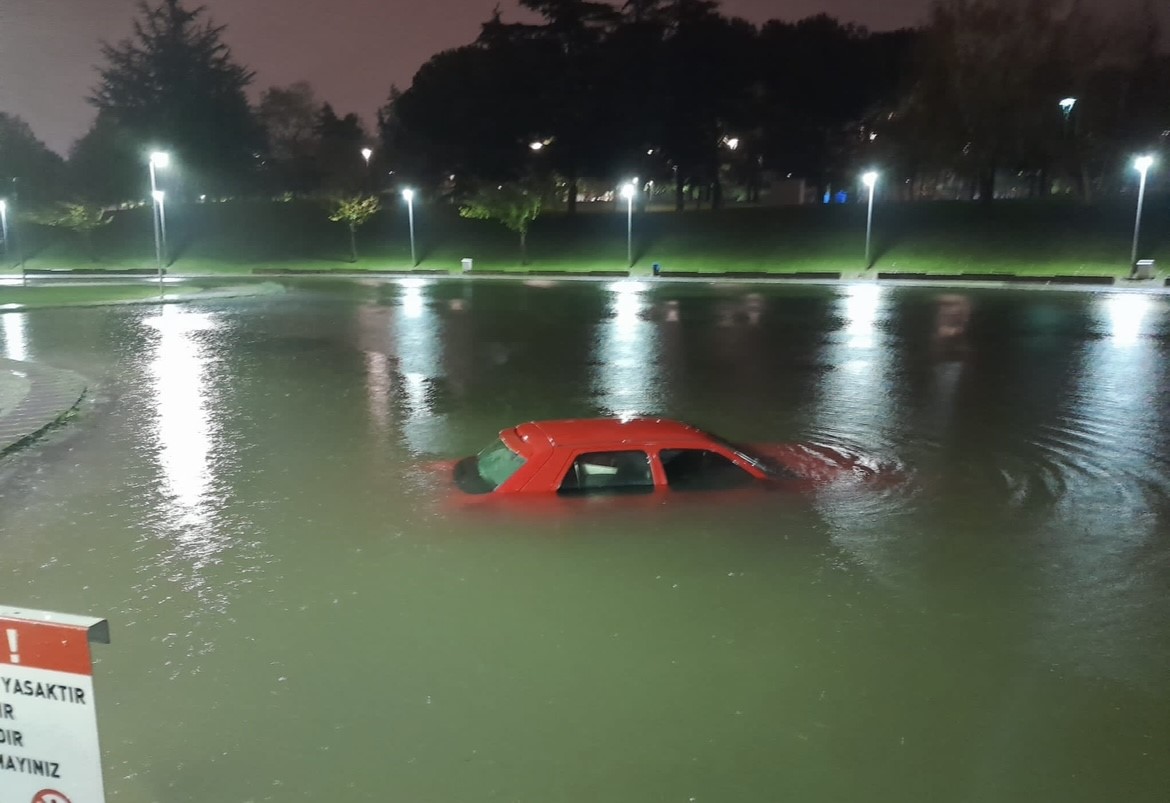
48, 724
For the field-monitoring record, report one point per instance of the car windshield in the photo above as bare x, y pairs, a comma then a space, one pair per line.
488, 470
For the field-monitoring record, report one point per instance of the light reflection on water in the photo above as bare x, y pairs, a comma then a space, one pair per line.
185, 433
626, 369
247, 502
1109, 475
15, 345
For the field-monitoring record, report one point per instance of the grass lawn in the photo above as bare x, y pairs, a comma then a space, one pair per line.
1023, 237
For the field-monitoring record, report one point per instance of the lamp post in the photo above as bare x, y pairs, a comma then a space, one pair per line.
1142, 164
870, 180
366, 154
159, 198
159, 160
12, 232
408, 196
1066, 106
628, 191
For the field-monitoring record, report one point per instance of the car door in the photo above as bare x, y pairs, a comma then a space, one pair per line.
608, 472
703, 470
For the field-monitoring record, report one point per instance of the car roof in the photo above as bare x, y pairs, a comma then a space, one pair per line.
608, 432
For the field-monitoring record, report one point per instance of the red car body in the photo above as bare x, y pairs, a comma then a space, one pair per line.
641, 455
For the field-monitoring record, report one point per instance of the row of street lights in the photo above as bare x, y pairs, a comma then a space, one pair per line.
870, 179
1142, 164
161, 160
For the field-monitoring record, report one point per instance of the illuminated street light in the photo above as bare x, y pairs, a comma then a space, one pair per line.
731, 142
1142, 164
408, 196
159, 160
1066, 106
536, 146
159, 198
12, 203
628, 192
870, 180
366, 154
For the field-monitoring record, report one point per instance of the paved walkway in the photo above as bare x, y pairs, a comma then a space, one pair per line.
33, 398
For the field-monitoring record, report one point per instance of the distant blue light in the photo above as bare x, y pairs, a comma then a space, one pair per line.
842, 196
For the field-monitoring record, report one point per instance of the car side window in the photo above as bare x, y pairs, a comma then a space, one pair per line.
701, 470
608, 472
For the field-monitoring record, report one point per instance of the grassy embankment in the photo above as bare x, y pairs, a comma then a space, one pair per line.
1020, 237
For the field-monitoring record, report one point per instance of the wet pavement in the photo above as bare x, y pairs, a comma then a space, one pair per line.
34, 397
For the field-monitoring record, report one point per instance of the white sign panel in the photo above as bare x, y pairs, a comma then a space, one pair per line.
48, 725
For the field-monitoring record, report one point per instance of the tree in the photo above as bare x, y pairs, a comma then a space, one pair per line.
25, 157
471, 113
106, 164
992, 72
174, 85
807, 116
574, 101
709, 80
338, 157
289, 116
80, 217
354, 212
513, 204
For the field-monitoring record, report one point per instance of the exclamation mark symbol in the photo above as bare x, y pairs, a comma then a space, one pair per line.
13, 647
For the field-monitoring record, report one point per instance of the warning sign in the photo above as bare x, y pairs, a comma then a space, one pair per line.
48, 726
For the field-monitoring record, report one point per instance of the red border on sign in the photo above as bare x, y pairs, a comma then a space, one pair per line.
49, 796
45, 645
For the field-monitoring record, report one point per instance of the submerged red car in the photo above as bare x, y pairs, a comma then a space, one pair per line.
640, 456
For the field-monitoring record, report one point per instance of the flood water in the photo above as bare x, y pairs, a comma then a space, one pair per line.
300, 610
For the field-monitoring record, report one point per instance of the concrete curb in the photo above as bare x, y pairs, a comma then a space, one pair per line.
51, 395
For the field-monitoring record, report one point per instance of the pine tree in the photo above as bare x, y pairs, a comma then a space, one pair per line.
173, 85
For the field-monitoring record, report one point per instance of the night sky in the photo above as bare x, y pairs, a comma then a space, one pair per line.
351, 51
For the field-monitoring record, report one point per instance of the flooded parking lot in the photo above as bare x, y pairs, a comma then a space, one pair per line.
301, 610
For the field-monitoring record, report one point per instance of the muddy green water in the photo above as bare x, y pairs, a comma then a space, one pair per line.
299, 613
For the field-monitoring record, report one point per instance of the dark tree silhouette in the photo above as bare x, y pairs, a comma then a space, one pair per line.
173, 84
339, 160
22, 155
106, 164
289, 116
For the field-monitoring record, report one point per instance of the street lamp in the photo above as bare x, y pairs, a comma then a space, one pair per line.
1066, 106
12, 233
408, 196
628, 191
159, 160
366, 154
1142, 164
870, 180
159, 197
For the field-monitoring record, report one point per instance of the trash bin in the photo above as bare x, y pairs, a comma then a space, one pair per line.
1143, 269
466, 265
656, 268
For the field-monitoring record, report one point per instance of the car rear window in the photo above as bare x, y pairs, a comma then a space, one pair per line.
484, 472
